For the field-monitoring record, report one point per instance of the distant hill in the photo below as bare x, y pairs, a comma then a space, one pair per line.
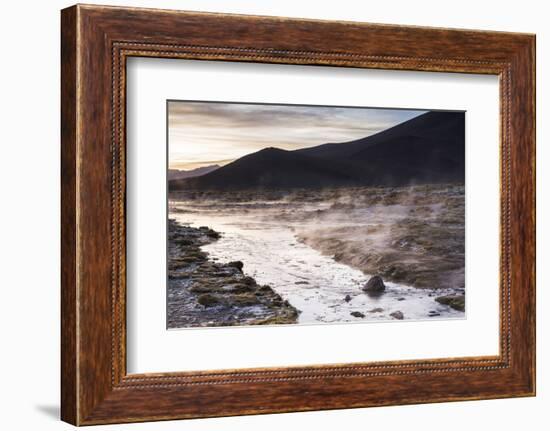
271, 168
426, 149
177, 174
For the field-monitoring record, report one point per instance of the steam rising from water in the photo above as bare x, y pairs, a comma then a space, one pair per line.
315, 248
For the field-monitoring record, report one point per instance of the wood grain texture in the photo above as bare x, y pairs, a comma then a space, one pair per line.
96, 41
68, 218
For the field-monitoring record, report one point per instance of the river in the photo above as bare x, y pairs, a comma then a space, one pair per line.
313, 282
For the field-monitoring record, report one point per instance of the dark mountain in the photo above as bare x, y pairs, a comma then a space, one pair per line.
426, 149
272, 168
429, 125
177, 174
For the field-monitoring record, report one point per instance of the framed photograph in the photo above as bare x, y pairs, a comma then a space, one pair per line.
263, 215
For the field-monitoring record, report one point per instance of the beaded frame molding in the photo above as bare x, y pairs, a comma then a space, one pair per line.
95, 43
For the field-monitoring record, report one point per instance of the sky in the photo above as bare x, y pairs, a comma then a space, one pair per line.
208, 133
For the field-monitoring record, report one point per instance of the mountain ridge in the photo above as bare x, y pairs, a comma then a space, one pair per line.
176, 174
426, 149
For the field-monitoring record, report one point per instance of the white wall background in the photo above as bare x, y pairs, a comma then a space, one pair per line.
29, 227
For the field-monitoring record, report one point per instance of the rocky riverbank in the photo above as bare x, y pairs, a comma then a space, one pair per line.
202, 292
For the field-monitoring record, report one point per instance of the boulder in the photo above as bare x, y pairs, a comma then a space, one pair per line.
213, 234
357, 314
347, 298
236, 264
249, 281
454, 301
208, 300
397, 315
375, 285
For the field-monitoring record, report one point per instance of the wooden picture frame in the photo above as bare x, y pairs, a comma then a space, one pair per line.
96, 41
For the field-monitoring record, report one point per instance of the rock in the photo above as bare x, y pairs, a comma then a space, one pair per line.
237, 288
375, 285
209, 232
236, 264
279, 320
174, 275
302, 282
249, 281
221, 273
401, 299
357, 314
243, 300
454, 301
397, 315
376, 310
276, 296
347, 298
208, 300
213, 234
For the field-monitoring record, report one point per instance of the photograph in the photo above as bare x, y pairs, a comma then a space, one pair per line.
300, 214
